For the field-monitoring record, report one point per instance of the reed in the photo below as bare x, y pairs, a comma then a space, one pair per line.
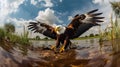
2, 33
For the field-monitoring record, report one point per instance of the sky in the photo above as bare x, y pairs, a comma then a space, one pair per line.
60, 12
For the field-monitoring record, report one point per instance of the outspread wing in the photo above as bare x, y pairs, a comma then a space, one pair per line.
92, 17
88, 20
38, 27
82, 29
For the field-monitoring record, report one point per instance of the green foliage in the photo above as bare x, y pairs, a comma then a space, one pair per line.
86, 36
46, 38
9, 27
91, 35
23, 39
96, 35
2, 33
37, 37
113, 32
9, 39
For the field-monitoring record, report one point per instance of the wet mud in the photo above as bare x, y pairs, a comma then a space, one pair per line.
91, 53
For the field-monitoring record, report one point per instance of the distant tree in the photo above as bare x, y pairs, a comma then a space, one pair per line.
96, 35
45, 38
9, 27
37, 37
91, 35
86, 36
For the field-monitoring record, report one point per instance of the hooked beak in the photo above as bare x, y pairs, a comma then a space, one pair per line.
57, 29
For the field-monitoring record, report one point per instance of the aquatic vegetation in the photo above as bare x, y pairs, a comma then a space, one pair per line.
24, 40
116, 8
8, 31
9, 39
112, 31
115, 25
2, 33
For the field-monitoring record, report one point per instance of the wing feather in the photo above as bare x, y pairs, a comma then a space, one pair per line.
96, 14
90, 19
38, 27
92, 11
82, 29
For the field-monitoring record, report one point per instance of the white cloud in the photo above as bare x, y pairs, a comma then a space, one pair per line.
48, 16
61, 0
97, 1
70, 18
104, 1
10, 6
7, 7
45, 3
34, 2
48, 3
20, 24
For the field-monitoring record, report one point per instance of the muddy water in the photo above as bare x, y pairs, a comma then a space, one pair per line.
88, 53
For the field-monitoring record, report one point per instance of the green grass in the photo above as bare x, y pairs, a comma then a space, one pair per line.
112, 32
2, 33
23, 39
83, 38
20, 41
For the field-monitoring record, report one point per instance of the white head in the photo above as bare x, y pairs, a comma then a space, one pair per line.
60, 29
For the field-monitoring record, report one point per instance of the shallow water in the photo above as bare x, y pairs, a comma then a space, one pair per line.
89, 53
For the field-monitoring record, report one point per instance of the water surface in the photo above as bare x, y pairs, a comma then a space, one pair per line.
88, 53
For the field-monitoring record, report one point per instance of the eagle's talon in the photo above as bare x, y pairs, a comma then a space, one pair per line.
53, 47
62, 49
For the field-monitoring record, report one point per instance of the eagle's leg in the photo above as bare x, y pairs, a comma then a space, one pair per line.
58, 41
65, 44
68, 44
54, 47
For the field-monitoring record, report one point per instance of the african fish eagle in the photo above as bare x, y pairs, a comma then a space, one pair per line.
79, 25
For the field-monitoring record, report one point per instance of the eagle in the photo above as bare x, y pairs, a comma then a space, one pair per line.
63, 34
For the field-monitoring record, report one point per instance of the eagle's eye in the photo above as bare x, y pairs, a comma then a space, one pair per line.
82, 17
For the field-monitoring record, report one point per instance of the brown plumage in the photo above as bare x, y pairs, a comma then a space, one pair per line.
77, 26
